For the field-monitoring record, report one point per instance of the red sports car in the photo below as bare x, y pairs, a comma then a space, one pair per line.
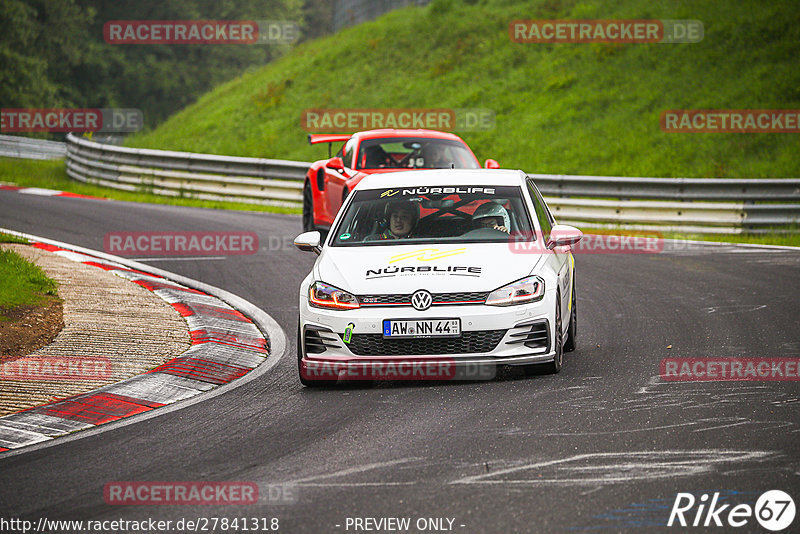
329, 181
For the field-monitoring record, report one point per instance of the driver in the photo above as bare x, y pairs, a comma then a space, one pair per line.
374, 157
491, 215
402, 216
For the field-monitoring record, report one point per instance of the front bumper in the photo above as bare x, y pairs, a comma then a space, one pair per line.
523, 336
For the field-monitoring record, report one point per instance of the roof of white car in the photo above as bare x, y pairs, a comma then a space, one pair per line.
442, 177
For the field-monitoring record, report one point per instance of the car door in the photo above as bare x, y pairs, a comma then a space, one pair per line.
560, 258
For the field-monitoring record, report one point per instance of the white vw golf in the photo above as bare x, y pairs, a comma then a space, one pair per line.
437, 274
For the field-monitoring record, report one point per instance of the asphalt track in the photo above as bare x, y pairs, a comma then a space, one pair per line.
604, 445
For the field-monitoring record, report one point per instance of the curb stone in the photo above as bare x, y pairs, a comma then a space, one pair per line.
226, 345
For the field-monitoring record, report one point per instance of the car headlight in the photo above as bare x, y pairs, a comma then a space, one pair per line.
322, 295
528, 289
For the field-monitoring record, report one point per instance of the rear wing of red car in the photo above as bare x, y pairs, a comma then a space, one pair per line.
313, 139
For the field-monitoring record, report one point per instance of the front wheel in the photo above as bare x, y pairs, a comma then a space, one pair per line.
308, 208
553, 367
572, 331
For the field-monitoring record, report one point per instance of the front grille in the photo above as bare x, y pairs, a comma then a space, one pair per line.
377, 300
439, 299
464, 296
469, 343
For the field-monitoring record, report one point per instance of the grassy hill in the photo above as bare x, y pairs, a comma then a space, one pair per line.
560, 108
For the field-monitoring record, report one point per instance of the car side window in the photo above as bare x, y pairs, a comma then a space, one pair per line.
542, 214
546, 208
349, 148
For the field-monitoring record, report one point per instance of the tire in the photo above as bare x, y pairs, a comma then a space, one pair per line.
308, 208
309, 383
553, 367
572, 331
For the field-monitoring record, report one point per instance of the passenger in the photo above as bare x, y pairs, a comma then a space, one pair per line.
435, 156
491, 215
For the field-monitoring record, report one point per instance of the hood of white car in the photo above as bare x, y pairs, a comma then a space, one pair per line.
403, 269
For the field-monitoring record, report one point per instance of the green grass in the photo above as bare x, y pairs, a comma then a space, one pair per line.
24, 283
50, 174
8, 238
560, 108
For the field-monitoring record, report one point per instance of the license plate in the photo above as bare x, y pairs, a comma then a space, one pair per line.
421, 328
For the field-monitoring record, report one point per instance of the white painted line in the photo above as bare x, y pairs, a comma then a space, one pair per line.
626, 431
39, 191
351, 470
616, 467
724, 243
353, 484
182, 258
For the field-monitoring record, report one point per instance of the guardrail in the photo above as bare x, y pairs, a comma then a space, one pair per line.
661, 204
13, 146
702, 205
186, 174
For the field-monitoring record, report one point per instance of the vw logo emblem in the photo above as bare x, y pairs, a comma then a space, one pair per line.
421, 300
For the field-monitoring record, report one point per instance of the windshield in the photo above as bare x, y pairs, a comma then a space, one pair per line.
414, 153
446, 214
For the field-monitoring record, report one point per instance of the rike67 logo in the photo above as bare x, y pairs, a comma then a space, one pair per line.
774, 510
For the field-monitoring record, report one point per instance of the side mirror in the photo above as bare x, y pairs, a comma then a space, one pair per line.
491, 164
562, 235
309, 242
335, 163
